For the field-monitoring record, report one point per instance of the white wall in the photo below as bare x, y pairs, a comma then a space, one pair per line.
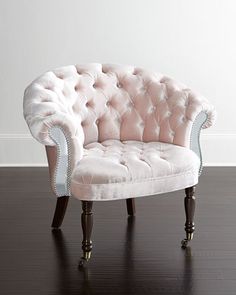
192, 41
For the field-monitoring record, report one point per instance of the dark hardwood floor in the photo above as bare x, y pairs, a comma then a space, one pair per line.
135, 255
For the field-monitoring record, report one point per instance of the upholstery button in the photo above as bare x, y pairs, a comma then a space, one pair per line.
122, 162
119, 85
76, 87
144, 89
97, 121
87, 104
108, 103
153, 109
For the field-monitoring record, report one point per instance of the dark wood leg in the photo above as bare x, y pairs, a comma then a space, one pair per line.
130, 203
189, 205
60, 211
87, 225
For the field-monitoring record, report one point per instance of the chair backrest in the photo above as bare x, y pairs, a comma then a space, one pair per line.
118, 102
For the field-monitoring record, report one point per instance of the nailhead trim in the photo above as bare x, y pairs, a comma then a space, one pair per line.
196, 134
69, 170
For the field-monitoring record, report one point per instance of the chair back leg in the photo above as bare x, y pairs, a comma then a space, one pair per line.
60, 211
130, 203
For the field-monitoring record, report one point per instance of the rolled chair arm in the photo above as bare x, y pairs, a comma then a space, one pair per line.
190, 113
53, 126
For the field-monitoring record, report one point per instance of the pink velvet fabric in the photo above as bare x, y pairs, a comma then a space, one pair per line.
118, 170
95, 103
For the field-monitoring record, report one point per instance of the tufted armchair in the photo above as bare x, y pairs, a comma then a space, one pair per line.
117, 132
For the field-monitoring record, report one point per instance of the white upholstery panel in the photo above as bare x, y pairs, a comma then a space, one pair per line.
119, 170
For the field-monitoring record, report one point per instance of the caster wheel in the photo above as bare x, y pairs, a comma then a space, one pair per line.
82, 263
84, 260
184, 243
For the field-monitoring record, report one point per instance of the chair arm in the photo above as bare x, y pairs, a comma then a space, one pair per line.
200, 122
190, 112
203, 116
53, 126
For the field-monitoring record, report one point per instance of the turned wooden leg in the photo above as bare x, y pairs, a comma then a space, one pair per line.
87, 225
130, 203
60, 211
189, 205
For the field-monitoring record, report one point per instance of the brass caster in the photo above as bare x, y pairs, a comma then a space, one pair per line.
85, 259
83, 262
189, 236
184, 243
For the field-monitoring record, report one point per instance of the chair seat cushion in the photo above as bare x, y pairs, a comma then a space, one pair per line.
119, 170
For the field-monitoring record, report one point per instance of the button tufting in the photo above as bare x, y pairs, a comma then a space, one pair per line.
108, 103
119, 85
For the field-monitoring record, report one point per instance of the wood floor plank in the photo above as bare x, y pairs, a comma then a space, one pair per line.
129, 256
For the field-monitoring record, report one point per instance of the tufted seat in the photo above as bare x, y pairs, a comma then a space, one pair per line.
117, 132
114, 170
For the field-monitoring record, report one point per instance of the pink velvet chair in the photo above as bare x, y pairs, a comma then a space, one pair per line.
111, 131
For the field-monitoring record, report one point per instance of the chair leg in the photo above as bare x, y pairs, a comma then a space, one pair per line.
130, 203
60, 211
189, 205
87, 225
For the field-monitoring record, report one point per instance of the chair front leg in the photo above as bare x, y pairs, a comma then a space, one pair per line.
87, 225
189, 205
